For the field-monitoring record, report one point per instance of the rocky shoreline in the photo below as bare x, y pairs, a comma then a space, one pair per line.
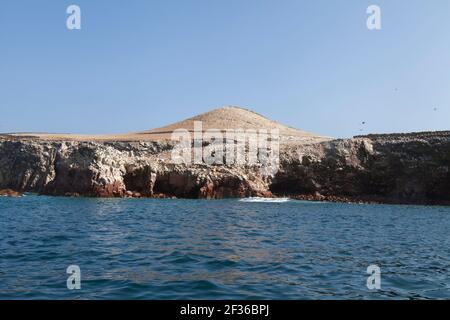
408, 169
301, 197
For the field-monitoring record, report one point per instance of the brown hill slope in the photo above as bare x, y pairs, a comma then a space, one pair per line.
221, 119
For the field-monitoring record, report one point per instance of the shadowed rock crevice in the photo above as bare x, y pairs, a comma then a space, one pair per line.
140, 182
174, 184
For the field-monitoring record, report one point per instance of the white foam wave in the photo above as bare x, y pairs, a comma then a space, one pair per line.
268, 200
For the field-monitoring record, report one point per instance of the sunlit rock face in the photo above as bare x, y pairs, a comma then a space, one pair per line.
405, 169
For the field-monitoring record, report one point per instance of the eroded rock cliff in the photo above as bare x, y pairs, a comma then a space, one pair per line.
410, 168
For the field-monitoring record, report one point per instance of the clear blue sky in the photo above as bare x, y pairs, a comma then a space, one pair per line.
141, 64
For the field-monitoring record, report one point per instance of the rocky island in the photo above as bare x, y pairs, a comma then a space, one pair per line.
410, 168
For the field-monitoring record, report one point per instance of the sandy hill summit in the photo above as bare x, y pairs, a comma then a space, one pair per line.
230, 117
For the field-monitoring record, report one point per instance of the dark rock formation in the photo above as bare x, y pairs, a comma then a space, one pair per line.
407, 168
402, 168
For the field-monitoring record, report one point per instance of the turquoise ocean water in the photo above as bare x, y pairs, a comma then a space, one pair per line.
224, 249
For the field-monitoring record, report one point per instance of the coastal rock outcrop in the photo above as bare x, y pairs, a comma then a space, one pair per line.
396, 168
9, 193
404, 168
401, 169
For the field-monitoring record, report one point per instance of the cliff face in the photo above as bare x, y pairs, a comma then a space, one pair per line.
117, 169
410, 168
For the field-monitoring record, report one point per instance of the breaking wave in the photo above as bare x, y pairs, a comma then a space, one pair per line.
269, 200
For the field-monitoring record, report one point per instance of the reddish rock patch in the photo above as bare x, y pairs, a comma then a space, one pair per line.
10, 193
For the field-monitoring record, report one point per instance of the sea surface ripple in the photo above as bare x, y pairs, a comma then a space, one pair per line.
223, 249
